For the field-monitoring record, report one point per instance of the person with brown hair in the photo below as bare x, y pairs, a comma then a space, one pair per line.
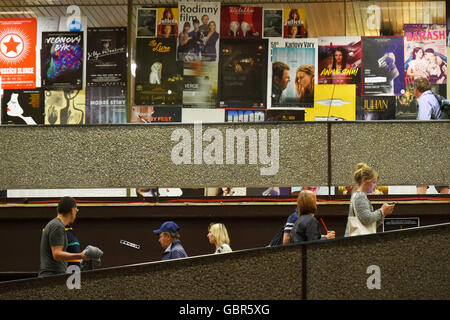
306, 228
304, 83
429, 107
53, 255
280, 80
366, 179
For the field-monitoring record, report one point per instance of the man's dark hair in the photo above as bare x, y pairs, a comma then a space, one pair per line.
278, 69
66, 204
429, 50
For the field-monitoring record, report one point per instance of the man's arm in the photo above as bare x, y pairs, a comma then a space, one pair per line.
60, 255
286, 238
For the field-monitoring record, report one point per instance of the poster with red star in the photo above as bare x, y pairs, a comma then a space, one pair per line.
18, 53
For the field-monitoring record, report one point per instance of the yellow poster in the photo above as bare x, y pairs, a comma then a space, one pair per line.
65, 107
167, 22
294, 23
333, 102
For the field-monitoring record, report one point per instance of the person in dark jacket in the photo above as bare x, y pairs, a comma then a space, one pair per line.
306, 228
169, 238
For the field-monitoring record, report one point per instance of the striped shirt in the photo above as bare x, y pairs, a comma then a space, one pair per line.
291, 222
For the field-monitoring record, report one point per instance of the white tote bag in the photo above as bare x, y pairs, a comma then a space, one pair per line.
356, 228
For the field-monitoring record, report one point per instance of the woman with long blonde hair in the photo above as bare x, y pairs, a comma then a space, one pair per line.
218, 236
366, 179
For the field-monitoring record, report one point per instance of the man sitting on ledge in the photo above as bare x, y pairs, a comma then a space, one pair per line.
169, 238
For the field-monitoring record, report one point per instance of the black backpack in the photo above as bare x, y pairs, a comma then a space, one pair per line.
278, 239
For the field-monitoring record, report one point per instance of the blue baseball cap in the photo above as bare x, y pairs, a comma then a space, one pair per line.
168, 226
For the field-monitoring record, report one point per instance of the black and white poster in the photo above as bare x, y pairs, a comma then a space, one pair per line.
22, 107
62, 60
106, 57
106, 105
375, 108
273, 23
158, 75
243, 73
146, 22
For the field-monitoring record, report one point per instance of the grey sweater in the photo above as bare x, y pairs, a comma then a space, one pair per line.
365, 211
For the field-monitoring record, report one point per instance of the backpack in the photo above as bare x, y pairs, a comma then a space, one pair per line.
444, 105
277, 239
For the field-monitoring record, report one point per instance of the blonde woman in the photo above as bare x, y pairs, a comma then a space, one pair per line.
366, 179
218, 236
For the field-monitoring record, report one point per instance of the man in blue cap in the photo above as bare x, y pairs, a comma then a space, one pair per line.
169, 238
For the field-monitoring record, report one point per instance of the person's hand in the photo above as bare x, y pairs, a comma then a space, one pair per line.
331, 235
387, 209
84, 257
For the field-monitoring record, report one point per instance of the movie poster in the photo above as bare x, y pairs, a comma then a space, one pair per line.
268, 192
107, 57
425, 53
106, 105
447, 10
18, 53
340, 60
200, 84
240, 115
277, 115
292, 73
167, 23
333, 103
158, 75
383, 66
243, 73
22, 107
65, 107
272, 23
146, 22
294, 20
47, 24
62, 60
239, 22
198, 35
375, 108
406, 107
147, 114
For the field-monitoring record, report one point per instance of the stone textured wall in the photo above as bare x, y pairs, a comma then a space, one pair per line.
110, 156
